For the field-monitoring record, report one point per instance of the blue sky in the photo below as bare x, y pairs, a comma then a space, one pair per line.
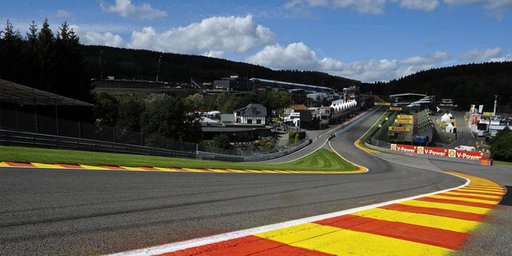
368, 40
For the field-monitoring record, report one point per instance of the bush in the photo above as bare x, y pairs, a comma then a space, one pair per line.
501, 145
296, 137
221, 141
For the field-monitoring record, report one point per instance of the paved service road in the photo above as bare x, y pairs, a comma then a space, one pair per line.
81, 212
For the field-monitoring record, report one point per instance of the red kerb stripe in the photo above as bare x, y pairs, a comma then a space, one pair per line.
435, 211
249, 245
414, 233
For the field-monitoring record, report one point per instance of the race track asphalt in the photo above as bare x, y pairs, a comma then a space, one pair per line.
82, 212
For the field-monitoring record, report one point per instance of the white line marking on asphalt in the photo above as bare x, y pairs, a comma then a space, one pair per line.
172, 247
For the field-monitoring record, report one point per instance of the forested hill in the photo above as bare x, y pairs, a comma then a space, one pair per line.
143, 64
466, 84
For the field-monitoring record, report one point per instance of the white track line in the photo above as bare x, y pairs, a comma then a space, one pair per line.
172, 247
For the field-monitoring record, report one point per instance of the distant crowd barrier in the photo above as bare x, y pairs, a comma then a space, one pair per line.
442, 152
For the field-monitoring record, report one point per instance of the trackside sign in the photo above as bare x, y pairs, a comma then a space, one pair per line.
443, 152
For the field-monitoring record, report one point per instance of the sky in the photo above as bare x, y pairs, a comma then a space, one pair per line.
366, 40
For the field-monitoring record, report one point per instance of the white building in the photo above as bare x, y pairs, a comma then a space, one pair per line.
252, 114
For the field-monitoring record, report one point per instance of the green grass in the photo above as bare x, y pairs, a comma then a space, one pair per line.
321, 160
374, 128
502, 163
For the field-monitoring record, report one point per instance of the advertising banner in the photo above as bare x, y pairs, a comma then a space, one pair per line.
395, 108
403, 121
436, 151
470, 155
382, 104
399, 129
443, 152
403, 148
410, 117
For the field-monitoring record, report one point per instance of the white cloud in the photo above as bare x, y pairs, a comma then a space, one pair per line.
478, 56
107, 39
362, 6
91, 37
300, 56
215, 34
214, 54
293, 56
63, 14
496, 8
126, 9
424, 5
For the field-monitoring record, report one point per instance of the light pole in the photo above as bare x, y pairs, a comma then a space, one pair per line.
158, 67
495, 104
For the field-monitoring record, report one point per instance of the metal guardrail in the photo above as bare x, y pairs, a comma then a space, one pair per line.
27, 139
251, 158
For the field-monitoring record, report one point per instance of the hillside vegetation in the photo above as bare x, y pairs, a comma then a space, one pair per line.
466, 84
143, 65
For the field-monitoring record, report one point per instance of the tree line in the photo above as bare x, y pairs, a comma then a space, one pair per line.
44, 59
172, 116
171, 67
465, 84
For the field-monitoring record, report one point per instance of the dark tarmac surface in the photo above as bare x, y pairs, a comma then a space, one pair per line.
78, 212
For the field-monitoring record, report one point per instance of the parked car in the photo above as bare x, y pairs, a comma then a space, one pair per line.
466, 148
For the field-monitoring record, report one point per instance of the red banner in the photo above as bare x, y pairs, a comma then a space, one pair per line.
471, 155
435, 151
403, 148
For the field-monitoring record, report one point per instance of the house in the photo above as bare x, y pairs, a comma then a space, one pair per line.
252, 114
297, 115
324, 113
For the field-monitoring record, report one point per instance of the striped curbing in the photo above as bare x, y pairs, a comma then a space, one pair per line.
432, 224
360, 169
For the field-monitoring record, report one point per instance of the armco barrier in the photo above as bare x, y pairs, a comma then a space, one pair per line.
251, 158
27, 139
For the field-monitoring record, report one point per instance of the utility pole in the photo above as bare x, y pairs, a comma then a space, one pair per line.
158, 67
495, 104
100, 66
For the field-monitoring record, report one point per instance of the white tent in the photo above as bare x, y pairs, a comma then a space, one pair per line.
445, 118
449, 128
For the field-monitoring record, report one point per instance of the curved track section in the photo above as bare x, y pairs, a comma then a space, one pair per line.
96, 212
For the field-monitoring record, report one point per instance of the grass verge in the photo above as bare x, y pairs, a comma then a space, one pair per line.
321, 160
502, 163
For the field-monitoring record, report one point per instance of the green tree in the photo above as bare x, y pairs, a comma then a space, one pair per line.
130, 113
11, 58
106, 110
168, 117
501, 145
221, 141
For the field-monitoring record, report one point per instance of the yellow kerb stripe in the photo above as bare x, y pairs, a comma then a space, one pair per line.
193, 170
426, 220
339, 241
92, 167
454, 207
472, 194
479, 191
48, 166
165, 169
129, 168
443, 196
